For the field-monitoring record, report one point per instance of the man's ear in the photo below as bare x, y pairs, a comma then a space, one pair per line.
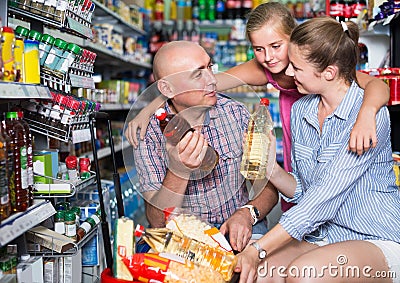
165, 88
330, 72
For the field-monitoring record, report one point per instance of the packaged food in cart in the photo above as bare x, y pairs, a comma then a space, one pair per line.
168, 268
183, 223
164, 240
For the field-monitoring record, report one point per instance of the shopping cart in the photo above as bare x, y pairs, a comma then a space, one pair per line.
107, 274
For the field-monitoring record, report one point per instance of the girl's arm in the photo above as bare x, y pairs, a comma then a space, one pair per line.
376, 95
142, 120
248, 73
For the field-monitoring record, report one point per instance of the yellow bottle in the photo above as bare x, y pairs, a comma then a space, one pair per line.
8, 54
31, 62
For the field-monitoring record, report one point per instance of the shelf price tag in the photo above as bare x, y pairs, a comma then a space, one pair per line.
79, 28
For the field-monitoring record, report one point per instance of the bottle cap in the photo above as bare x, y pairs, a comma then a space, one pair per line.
47, 38
161, 114
34, 35
71, 162
7, 30
264, 101
22, 31
139, 230
74, 48
60, 43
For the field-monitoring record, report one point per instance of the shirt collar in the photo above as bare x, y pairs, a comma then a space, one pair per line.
342, 111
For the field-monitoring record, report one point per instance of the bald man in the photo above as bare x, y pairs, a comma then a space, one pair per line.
170, 176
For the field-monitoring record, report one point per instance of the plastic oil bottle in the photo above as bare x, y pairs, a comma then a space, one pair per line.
20, 196
256, 148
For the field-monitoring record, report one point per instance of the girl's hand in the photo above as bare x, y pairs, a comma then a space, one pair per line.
363, 134
139, 122
247, 265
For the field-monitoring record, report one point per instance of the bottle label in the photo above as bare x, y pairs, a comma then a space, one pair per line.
95, 218
24, 167
86, 227
70, 230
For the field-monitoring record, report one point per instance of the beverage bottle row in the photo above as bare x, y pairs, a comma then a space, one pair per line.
16, 164
343, 10
24, 52
19, 60
212, 10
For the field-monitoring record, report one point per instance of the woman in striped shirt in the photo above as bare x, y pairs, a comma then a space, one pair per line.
337, 230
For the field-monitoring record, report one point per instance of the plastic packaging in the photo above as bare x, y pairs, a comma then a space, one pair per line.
19, 198
175, 128
168, 268
163, 240
186, 224
20, 35
7, 54
31, 62
256, 148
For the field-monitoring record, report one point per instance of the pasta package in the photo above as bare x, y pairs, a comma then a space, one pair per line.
186, 224
124, 243
168, 268
164, 240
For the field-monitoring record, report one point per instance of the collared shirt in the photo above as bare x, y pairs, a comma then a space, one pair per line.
340, 195
214, 197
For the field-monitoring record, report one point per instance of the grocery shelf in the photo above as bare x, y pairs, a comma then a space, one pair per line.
11, 90
62, 188
107, 57
105, 15
68, 247
20, 222
106, 151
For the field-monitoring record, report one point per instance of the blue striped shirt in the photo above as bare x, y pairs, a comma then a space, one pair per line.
340, 195
214, 197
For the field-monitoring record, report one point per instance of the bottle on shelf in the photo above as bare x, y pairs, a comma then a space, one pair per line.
20, 35
256, 148
19, 198
4, 193
175, 127
8, 54
88, 225
29, 154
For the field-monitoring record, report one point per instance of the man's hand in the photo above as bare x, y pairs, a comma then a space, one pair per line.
187, 155
239, 228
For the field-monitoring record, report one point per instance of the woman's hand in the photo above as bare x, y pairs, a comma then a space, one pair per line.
247, 265
139, 122
363, 134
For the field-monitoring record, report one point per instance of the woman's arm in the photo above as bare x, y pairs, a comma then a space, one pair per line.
248, 73
376, 95
142, 120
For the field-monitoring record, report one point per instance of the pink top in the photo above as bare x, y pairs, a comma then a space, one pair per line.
286, 99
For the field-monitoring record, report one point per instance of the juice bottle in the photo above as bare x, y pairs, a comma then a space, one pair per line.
20, 34
8, 54
31, 62
255, 151
20, 196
